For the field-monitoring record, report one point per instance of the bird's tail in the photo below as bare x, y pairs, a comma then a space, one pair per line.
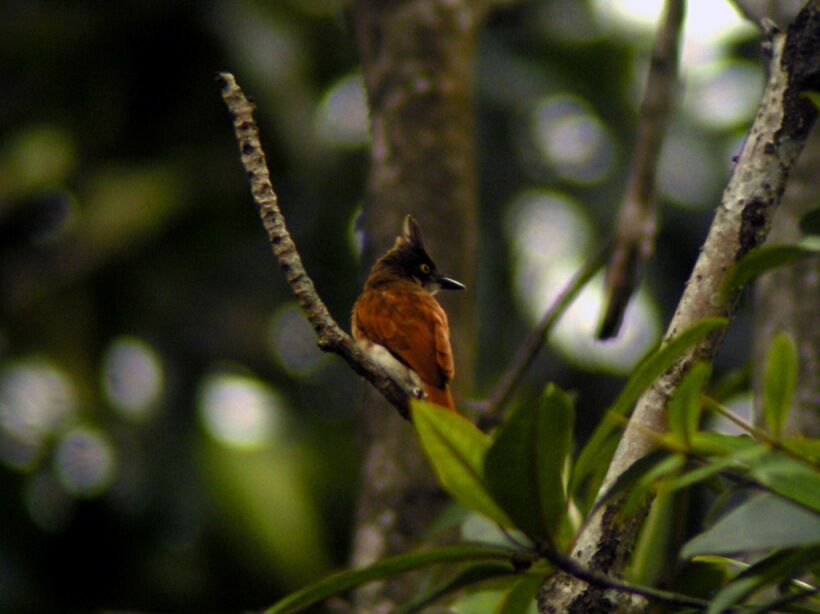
440, 396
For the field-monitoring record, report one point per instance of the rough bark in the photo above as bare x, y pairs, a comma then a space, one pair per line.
741, 223
787, 300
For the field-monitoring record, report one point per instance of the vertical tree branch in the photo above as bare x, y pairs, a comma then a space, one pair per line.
418, 63
635, 234
788, 298
741, 223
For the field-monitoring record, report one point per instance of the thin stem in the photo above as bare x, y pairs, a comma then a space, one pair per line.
538, 336
636, 227
756, 432
574, 568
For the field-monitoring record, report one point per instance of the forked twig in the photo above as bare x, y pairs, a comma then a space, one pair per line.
636, 226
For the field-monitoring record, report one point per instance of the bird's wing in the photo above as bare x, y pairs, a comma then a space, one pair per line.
413, 327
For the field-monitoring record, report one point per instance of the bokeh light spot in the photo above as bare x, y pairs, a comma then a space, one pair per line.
727, 96
688, 171
132, 377
341, 118
550, 236
574, 335
36, 157
84, 461
294, 342
240, 411
571, 139
546, 226
37, 399
708, 27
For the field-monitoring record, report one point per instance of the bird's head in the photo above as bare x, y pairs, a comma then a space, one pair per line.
409, 260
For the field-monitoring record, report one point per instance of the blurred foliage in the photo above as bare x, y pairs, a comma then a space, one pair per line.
134, 271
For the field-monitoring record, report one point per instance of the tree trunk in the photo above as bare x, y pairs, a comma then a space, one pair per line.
788, 300
418, 60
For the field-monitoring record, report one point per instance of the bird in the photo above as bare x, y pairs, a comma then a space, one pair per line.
400, 324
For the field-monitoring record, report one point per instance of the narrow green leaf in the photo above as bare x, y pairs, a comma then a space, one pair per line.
719, 444
780, 382
523, 467
456, 449
789, 478
637, 495
473, 574
683, 411
736, 460
587, 488
346, 580
789, 602
779, 567
761, 523
759, 261
808, 449
712, 559
649, 369
629, 478
650, 562
660, 360
520, 599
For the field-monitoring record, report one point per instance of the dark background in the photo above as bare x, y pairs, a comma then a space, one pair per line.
170, 438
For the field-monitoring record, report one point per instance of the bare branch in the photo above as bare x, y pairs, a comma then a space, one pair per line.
538, 336
575, 569
784, 120
635, 234
330, 336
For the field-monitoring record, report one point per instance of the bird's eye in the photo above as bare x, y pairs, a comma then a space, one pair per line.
424, 268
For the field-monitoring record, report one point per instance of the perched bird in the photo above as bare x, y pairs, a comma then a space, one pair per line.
399, 322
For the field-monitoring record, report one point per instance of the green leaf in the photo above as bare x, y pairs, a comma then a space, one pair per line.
649, 369
737, 460
776, 568
523, 467
711, 559
683, 411
762, 523
468, 576
719, 444
634, 474
759, 261
520, 599
780, 382
346, 580
638, 494
789, 478
456, 449
809, 449
650, 563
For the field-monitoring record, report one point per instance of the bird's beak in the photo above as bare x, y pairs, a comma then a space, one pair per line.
445, 283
